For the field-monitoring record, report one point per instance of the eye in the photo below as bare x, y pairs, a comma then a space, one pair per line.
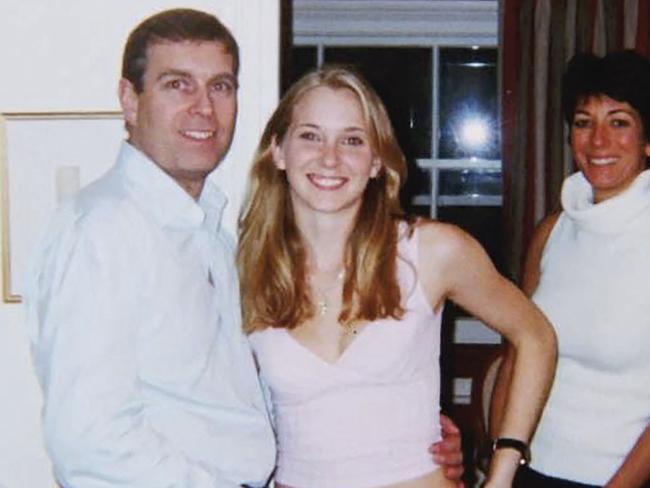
224, 86
620, 122
581, 122
176, 84
354, 141
308, 135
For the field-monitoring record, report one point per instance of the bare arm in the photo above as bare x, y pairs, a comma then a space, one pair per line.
529, 282
530, 278
456, 267
635, 470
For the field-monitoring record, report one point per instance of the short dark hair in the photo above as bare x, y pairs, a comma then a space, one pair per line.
620, 75
173, 25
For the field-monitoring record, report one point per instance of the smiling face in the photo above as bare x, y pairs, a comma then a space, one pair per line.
184, 117
609, 147
326, 153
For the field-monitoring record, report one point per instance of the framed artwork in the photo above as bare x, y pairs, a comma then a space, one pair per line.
44, 159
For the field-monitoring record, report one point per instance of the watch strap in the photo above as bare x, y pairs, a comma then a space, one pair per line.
516, 444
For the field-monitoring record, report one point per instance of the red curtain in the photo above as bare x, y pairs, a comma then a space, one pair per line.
537, 38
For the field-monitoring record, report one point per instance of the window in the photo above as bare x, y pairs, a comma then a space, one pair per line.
468, 103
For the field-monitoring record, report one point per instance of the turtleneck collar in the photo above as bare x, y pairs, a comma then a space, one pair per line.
611, 216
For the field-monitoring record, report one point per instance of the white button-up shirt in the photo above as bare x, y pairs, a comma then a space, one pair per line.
133, 311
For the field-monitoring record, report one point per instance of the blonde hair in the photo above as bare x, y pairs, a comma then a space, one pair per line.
272, 255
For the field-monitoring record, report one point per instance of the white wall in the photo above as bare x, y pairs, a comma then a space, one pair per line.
64, 55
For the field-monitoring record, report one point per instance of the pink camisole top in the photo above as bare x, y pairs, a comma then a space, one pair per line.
368, 419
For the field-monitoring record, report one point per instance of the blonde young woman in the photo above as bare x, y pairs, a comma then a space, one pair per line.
342, 298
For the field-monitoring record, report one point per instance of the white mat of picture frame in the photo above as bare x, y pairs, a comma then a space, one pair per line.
44, 158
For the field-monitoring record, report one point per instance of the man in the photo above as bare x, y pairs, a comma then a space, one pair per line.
133, 304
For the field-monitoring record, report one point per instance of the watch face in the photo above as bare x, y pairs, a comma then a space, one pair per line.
517, 445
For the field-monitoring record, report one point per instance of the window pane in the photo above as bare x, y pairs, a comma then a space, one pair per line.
471, 183
301, 59
468, 104
402, 78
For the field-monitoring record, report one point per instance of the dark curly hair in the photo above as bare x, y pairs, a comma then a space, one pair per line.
621, 75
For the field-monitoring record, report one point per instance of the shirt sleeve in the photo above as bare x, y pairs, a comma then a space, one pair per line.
268, 400
82, 311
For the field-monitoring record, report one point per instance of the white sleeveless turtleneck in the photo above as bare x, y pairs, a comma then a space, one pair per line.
595, 290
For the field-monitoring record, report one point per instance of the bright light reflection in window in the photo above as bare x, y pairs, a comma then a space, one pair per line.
474, 133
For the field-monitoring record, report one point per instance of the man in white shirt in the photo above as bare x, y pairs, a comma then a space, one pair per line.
133, 303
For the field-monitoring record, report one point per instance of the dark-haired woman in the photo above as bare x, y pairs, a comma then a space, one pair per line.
588, 269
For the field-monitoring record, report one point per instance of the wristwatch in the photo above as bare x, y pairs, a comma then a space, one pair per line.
516, 444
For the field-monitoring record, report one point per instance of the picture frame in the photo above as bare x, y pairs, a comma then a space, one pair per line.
45, 157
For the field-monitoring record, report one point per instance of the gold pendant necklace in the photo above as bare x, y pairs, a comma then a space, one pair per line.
350, 329
322, 303
321, 307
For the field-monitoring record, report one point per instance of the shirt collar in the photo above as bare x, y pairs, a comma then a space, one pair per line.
166, 200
